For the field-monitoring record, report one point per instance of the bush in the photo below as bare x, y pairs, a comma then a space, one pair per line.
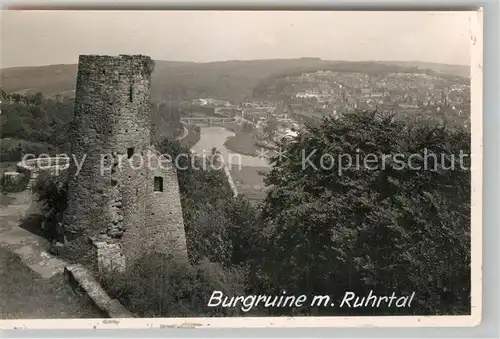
52, 197
156, 287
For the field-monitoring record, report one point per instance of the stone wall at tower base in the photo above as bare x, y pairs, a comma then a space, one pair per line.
110, 256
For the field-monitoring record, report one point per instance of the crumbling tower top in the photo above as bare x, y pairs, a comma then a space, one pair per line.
131, 64
112, 104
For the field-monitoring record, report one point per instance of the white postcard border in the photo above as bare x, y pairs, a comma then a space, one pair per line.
326, 322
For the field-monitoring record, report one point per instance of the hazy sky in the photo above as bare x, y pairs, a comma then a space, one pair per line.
57, 37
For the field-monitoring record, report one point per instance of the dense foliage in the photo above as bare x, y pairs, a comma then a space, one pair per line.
34, 124
154, 286
51, 192
386, 227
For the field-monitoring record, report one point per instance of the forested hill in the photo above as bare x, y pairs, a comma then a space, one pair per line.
36, 124
230, 80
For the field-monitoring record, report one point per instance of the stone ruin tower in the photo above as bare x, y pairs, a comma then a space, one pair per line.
120, 198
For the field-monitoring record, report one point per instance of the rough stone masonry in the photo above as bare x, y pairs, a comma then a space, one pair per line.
127, 209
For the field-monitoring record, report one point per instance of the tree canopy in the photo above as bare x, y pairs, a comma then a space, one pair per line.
395, 226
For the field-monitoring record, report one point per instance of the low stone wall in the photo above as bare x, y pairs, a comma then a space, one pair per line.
82, 280
12, 178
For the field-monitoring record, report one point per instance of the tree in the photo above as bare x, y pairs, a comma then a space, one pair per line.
52, 196
214, 158
271, 127
332, 228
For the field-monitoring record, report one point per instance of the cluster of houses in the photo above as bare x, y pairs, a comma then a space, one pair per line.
252, 111
327, 92
321, 93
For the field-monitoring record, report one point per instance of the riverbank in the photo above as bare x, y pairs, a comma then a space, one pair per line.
245, 168
215, 136
242, 143
192, 137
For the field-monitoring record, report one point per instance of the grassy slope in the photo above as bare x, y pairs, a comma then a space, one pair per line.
25, 295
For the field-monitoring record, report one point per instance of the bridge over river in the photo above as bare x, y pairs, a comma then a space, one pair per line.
206, 120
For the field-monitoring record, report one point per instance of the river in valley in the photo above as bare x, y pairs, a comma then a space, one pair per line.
216, 137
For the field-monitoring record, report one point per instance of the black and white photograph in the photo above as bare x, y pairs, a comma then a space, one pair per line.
240, 168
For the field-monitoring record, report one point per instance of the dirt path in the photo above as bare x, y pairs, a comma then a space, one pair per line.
31, 248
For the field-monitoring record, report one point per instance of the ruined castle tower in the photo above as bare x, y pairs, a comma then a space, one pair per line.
116, 198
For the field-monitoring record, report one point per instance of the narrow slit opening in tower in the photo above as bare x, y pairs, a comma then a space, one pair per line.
158, 184
130, 152
131, 94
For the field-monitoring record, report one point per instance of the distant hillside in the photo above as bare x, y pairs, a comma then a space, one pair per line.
231, 80
458, 70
